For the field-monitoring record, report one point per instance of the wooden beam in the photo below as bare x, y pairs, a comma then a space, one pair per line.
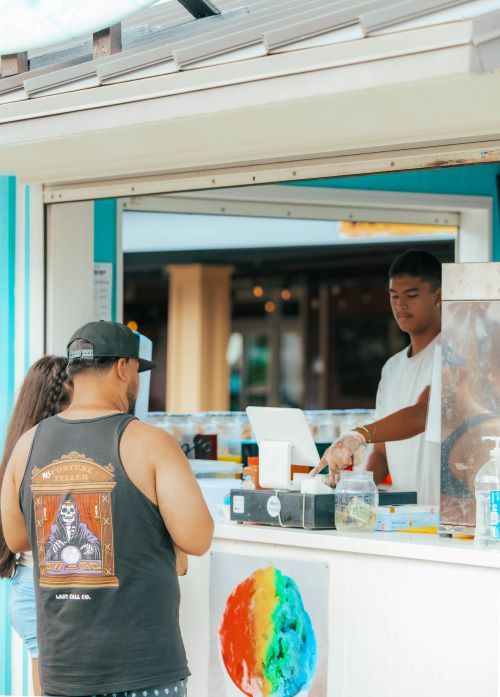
108, 41
14, 63
200, 8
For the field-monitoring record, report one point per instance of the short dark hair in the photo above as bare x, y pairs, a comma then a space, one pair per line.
76, 366
418, 263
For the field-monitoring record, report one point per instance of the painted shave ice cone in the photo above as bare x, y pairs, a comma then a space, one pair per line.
262, 614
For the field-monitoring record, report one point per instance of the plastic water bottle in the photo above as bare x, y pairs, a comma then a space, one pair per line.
487, 486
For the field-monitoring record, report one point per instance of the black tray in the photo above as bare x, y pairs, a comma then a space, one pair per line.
295, 510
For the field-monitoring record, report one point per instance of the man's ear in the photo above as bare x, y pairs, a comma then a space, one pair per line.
438, 296
121, 367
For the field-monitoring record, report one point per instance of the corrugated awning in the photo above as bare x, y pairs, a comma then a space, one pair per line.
166, 39
262, 82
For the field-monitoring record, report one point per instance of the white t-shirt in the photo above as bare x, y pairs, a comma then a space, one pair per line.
414, 464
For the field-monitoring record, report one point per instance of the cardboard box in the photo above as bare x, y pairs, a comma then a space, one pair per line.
391, 518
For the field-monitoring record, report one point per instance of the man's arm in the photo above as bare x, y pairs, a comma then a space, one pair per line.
405, 423
181, 561
400, 425
181, 502
377, 463
13, 523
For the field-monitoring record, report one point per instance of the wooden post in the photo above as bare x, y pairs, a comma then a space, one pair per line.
200, 8
107, 41
199, 321
14, 63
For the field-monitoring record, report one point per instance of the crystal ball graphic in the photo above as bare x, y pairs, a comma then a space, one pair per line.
71, 555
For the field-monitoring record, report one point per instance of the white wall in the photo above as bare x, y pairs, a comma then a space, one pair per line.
70, 271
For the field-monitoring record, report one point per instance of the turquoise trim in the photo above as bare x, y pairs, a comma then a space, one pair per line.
27, 278
7, 311
27, 357
5, 640
105, 213
471, 180
25, 671
7, 280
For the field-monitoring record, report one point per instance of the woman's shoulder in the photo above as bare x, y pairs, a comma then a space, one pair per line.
20, 455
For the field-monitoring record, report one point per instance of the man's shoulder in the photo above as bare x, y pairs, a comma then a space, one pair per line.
145, 434
148, 445
395, 361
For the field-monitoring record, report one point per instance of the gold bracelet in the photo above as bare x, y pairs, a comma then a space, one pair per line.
363, 428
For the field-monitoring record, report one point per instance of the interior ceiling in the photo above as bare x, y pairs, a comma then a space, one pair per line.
372, 259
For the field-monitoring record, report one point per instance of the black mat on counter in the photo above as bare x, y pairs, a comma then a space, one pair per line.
291, 509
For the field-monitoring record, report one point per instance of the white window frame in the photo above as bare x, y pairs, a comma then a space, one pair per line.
474, 241
473, 214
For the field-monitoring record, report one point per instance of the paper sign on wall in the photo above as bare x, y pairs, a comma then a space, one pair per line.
103, 290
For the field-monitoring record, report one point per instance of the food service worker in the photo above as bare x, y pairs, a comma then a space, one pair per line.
399, 445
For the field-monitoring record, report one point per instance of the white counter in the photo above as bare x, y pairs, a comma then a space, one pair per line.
387, 544
407, 615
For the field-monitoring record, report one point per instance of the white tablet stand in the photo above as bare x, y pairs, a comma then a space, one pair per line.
275, 462
283, 436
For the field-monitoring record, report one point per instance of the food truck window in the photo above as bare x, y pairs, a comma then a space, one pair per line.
311, 324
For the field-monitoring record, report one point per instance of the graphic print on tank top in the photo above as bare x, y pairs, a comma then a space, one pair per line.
74, 522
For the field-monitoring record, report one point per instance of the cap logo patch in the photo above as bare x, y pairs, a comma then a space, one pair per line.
81, 353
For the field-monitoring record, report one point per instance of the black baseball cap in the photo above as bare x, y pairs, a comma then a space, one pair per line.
109, 340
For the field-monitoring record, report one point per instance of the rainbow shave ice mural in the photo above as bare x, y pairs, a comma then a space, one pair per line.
266, 637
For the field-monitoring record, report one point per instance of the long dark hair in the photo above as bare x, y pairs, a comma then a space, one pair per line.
46, 390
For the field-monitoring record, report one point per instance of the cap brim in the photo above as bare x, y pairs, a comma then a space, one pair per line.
146, 365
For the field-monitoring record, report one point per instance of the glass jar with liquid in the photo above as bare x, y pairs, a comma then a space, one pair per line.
356, 502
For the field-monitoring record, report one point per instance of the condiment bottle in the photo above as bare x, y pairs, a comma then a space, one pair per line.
250, 475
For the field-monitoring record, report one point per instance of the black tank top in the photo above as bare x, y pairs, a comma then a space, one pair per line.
104, 565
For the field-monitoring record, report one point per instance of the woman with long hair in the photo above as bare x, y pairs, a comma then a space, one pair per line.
46, 390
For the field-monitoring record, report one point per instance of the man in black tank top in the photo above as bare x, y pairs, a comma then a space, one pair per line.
103, 501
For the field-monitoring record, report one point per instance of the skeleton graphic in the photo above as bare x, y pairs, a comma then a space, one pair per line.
70, 540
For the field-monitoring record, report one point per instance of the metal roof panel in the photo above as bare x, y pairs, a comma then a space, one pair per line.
343, 15
162, 38
134, 61
250, 30
256, 12
397, 12
14, 82
486, 28
488, 55
56, 78
119, 64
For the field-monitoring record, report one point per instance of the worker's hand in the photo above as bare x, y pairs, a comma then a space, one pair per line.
339, 456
